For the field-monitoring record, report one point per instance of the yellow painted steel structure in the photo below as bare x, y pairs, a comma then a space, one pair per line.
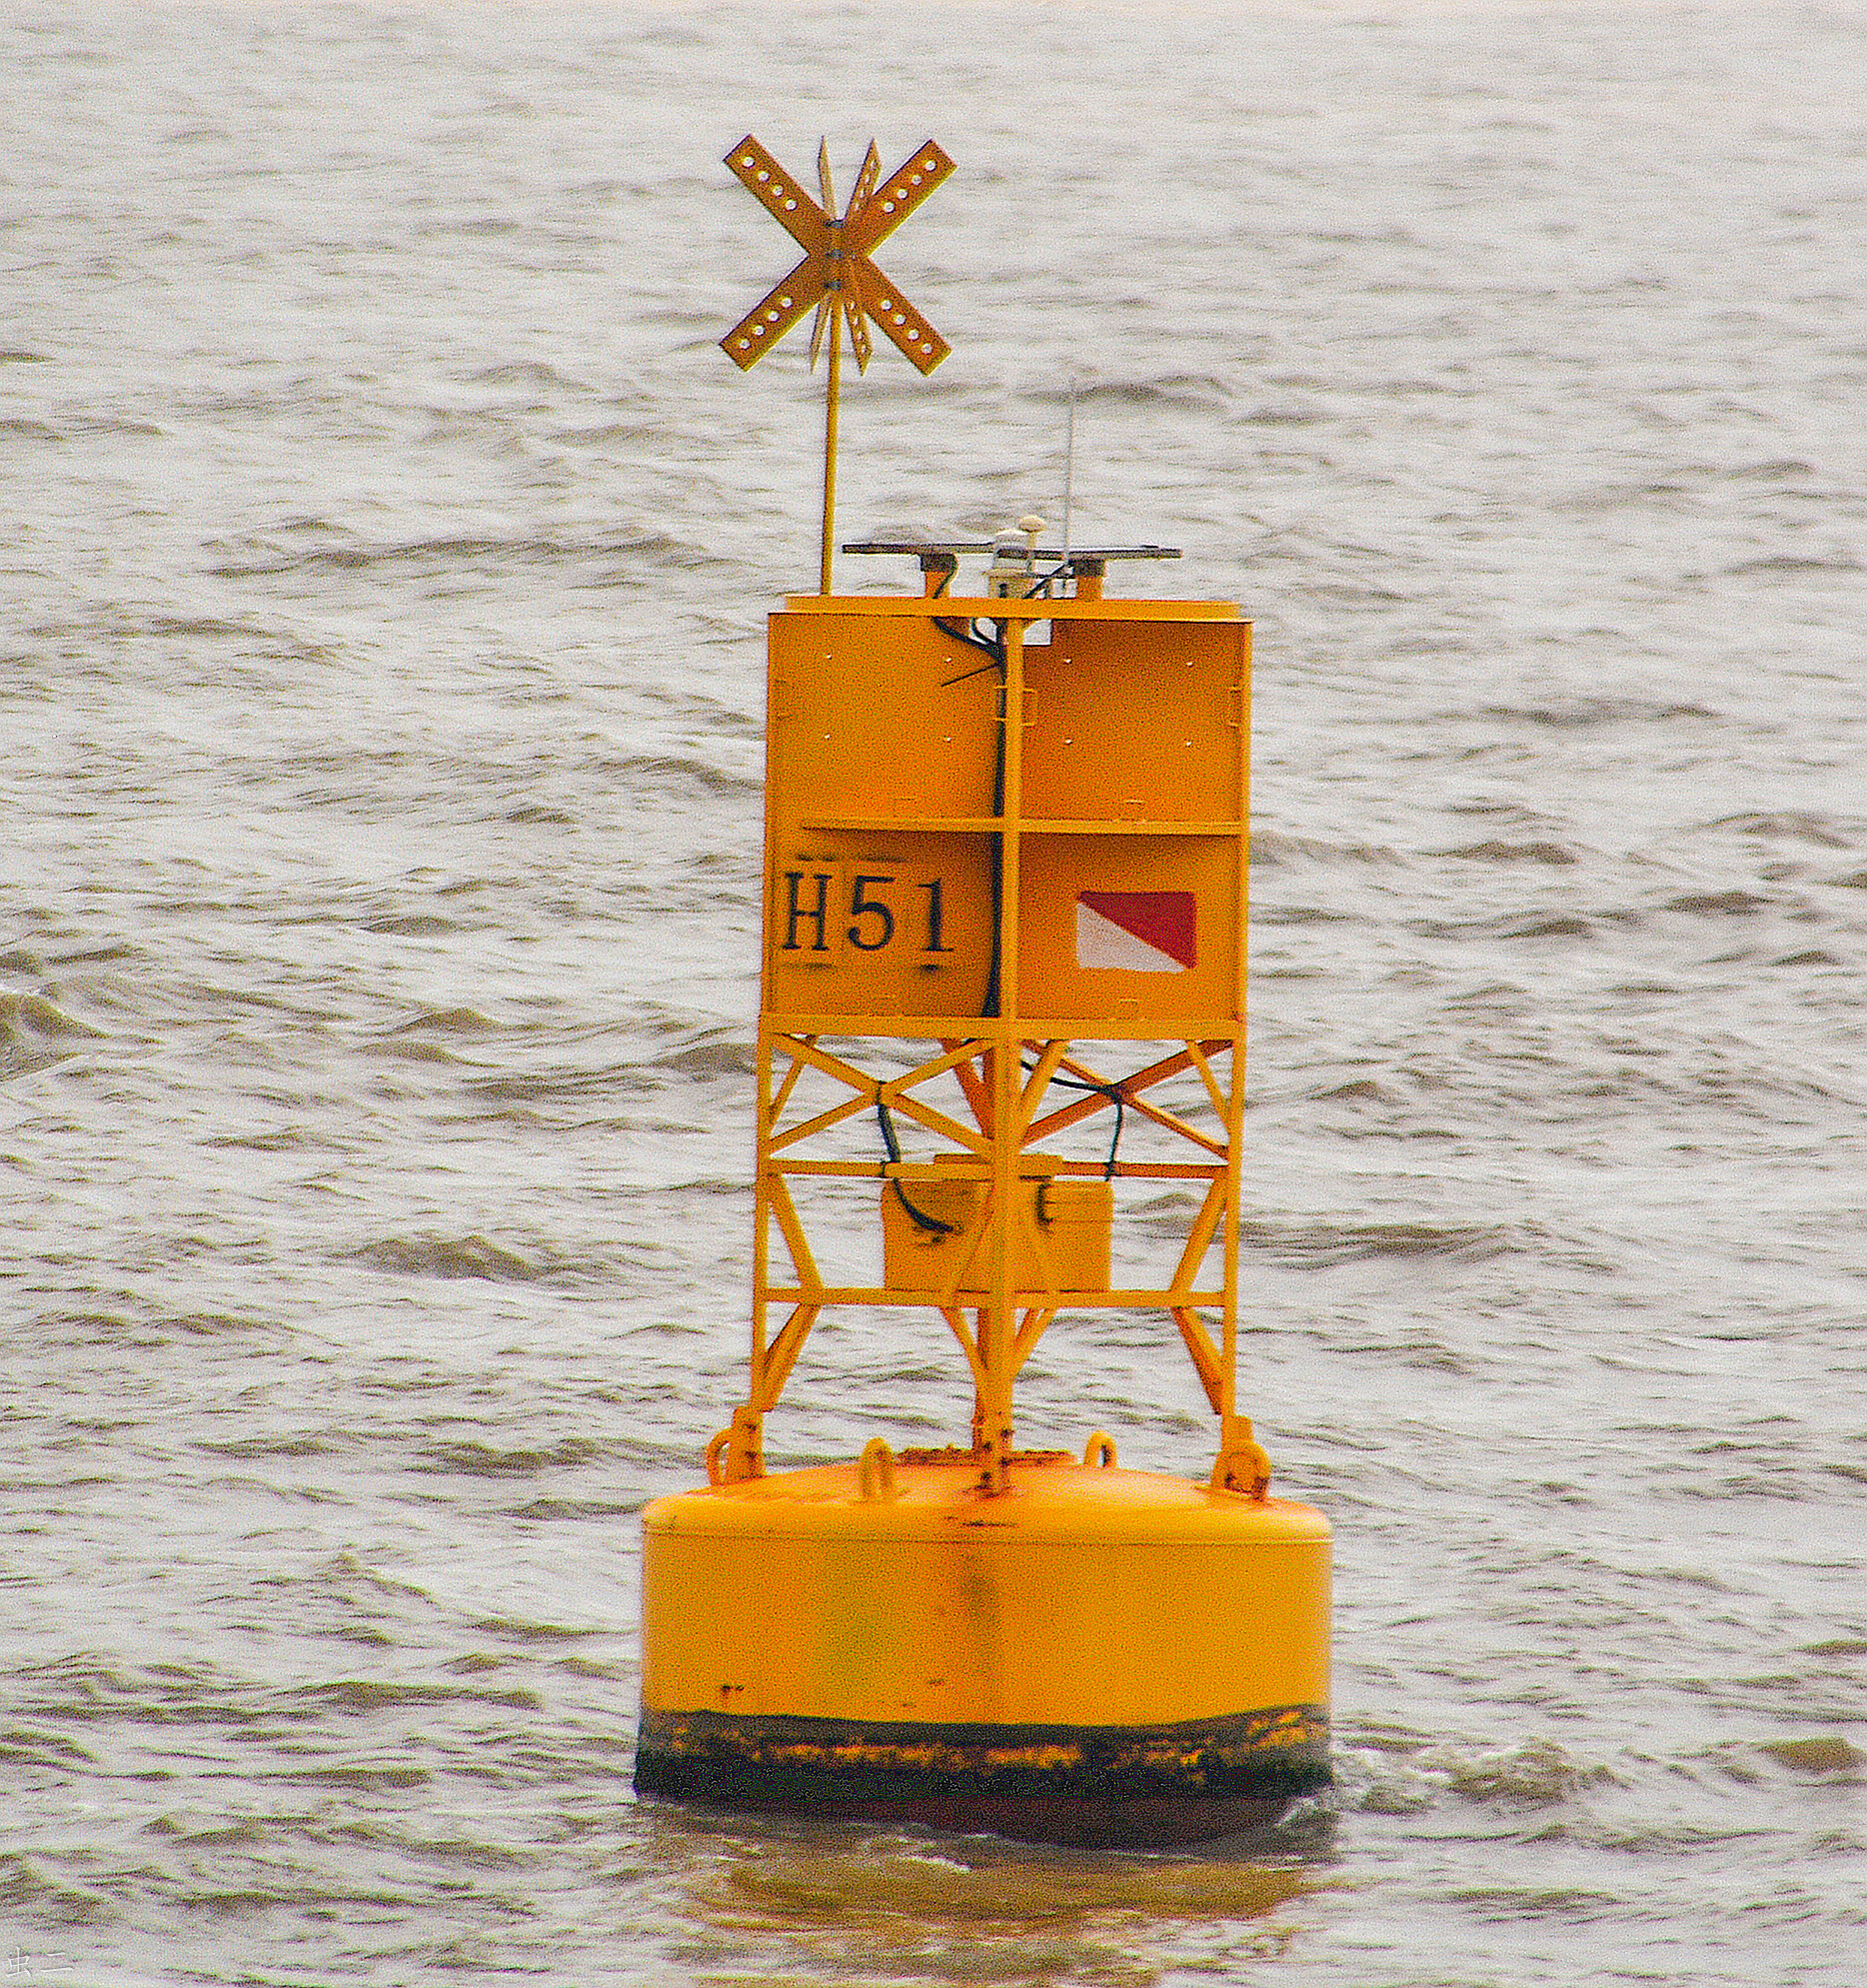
996, 829
932, 829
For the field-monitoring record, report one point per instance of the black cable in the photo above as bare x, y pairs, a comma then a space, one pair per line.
993, 648
1113, 1092
963, 631
927, 1223
994, 974
965, 676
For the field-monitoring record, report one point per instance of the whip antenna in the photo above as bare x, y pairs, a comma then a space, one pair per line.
1069, 462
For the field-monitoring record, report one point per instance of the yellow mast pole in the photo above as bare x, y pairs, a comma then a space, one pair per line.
832, 393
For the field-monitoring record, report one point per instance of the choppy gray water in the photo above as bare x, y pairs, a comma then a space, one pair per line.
386, 555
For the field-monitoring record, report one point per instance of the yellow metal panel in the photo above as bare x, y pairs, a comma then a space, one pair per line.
1059, 872
877, 207
1132, 722
865, 719
926, 1026
916, 339
773, 315
897, 924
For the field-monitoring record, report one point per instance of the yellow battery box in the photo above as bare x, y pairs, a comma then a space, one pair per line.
931, 1224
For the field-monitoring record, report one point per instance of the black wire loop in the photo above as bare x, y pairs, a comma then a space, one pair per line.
927, 1223
1113, 1092
993, 645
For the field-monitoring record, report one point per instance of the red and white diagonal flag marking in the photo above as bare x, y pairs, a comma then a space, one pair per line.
1136, 932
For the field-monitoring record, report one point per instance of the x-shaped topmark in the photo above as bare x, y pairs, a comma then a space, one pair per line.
835, 273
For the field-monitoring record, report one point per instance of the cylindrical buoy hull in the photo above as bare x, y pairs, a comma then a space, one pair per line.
1094, 1656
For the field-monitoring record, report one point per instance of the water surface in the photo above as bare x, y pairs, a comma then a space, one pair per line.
387, 557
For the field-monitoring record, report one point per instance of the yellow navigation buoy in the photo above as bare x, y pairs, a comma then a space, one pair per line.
998, 828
